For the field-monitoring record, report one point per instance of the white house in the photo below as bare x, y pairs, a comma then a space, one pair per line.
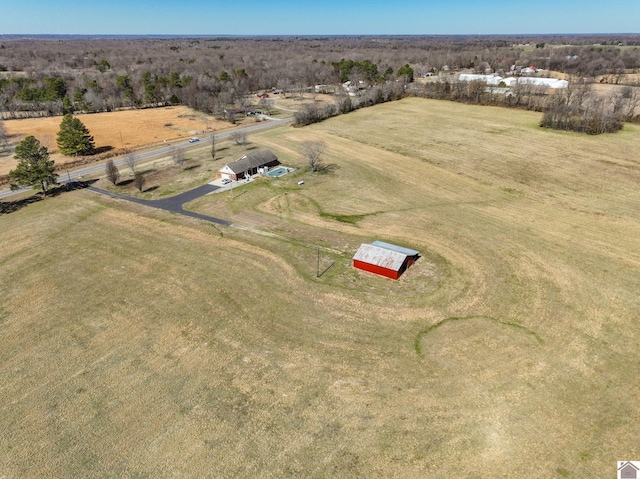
248, 165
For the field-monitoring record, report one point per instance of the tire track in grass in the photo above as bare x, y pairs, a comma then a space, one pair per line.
417, 343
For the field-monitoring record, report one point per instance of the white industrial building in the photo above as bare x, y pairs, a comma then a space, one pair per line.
513, 81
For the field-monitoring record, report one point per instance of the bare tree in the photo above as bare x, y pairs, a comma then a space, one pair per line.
111, 170
177, 154
624, 102
245, 104
284, 84
240, 138
138, 180
212, 150
130, 160
265, 105
312, 151
3, 138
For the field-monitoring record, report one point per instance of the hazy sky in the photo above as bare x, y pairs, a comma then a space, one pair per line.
331, 17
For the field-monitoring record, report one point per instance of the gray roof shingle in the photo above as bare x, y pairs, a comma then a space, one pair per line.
255, 159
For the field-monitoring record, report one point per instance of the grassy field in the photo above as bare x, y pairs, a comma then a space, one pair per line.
115, 131
136, 343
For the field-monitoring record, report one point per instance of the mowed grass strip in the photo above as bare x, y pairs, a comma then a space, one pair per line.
172, 348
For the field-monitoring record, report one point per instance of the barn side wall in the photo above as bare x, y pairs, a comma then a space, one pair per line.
372, 268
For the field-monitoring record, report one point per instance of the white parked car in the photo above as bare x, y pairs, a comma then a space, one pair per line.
225, 181
194, 139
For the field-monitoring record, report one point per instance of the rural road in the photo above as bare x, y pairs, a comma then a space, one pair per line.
72, 175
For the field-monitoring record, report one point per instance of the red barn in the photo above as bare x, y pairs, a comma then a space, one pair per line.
384, 259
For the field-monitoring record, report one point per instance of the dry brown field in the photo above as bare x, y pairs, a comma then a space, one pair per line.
129, 129
136, 343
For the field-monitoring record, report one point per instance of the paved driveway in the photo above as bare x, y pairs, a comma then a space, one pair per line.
173, 204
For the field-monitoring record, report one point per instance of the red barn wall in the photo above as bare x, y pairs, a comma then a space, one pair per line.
372, 268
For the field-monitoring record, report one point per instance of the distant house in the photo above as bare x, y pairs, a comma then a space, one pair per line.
384, 259
248, 165
324, 89
354, 89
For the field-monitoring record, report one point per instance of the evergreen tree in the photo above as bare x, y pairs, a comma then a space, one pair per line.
34, 166
406, 72
74, 138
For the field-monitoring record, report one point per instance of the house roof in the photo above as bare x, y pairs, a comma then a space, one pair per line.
399, 249
379, 256
255, 159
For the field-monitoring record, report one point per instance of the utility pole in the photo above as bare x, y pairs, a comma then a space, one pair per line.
318, 264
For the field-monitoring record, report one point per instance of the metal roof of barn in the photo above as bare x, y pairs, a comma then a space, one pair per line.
379, 256
399, 249
255, 159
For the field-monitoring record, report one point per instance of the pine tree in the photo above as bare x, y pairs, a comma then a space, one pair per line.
406, 72
74, 138
34, 166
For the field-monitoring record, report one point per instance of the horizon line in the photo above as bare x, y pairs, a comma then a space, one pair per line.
276, 35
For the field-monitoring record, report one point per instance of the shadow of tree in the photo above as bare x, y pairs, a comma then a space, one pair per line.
102, 149
7, 207
328, 168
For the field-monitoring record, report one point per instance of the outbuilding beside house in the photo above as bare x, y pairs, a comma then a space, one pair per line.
384, 259
248, 165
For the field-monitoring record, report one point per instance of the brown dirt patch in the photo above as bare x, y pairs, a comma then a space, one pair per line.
115, 131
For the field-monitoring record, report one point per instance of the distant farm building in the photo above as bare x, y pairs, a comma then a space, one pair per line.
248, 165
488, 79
541, 82
384, 259
513, 81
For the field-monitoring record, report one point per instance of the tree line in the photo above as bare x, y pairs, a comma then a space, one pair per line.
575, 108
43, 77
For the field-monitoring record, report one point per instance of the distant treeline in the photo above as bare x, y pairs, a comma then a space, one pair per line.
575, 108
59, 75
